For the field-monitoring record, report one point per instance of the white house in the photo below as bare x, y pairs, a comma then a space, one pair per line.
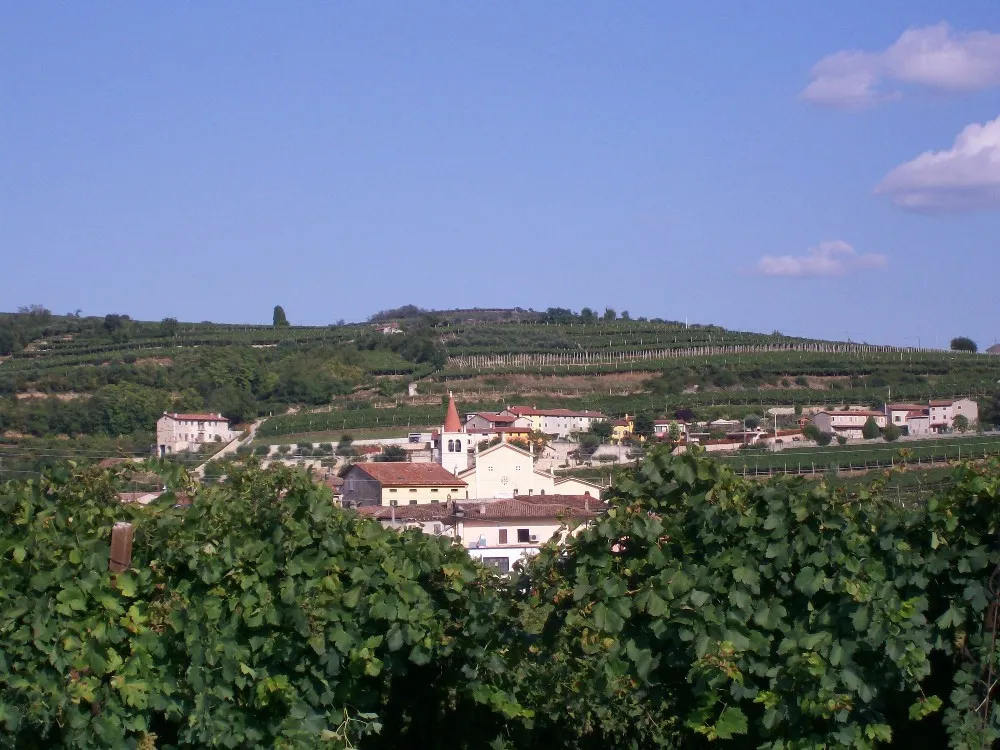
559, 422
936, 416
177, 433
662, 427
847, 423
943, 413
498, 532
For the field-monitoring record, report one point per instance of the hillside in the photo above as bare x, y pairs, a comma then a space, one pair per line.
92, 387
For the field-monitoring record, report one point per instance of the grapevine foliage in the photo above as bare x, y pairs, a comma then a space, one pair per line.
701, 609
704, 607
260, 616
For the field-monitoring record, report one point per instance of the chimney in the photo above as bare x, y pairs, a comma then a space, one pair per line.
586, 505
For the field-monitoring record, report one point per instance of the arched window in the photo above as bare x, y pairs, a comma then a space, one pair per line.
451, 446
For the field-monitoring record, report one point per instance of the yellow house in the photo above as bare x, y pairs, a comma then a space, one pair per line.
622, 428
400, 483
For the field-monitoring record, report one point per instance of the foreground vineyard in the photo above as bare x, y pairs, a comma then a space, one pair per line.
701, 609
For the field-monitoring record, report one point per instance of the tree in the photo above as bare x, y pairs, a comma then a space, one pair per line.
752, 421
960, 423
684, 415
393, 453
610, 314
169, 327
602, 429
8, 341
279, 319
625, 315
870, 430
589, 443
963, 344
891, 432
587, 315
644, 425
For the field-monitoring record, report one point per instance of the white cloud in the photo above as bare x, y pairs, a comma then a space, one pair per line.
934, 57
964, 177
833, 258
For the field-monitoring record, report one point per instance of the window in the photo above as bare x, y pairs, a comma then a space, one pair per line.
413, 501
502, 564
523, 536
451, 446
542, 492
392, 489
454, 489
502, 534
437, 528
530, 491
413, 489
434, 489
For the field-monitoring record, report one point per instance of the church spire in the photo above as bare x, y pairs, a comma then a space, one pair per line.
451, 421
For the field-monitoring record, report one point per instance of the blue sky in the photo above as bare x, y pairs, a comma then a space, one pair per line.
708, 160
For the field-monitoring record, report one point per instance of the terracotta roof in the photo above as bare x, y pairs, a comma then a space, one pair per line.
528, 508
403, 513
943, 402
197, 417
493, 417
904, 407
498, 430
522, 506
405, 474
451, 421
858, 413
531, 411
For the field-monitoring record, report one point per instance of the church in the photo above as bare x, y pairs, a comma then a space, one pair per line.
501, 471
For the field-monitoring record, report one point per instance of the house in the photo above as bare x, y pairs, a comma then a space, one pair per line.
622, 429
940, 415
662, 428
918, 424
499, 532
995, 349
178, 433
850, 424
898, 414
487, 421
388, 329
559, 422
399, 483
944, 412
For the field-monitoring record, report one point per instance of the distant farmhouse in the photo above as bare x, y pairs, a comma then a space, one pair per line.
179, 433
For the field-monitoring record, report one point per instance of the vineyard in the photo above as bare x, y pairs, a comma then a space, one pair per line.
73, 377
702, 609
915, 454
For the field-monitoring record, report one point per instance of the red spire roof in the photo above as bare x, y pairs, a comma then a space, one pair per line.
451, 421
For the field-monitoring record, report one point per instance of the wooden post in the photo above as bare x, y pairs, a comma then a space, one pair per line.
121, 547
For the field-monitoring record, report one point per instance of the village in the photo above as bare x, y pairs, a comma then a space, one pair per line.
487, 480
